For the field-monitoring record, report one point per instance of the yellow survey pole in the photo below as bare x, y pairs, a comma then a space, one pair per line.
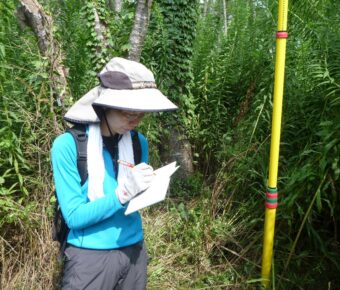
272, 193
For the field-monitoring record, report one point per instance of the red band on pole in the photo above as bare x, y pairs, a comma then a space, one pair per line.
271, 195
282, 34
271, 205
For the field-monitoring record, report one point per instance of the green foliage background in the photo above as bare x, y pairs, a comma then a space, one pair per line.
208, 234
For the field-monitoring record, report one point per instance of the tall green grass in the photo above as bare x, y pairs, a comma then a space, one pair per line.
208, 234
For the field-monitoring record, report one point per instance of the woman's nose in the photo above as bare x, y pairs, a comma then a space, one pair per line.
135, 122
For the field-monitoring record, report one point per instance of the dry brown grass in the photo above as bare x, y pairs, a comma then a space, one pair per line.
28, 255
185, 252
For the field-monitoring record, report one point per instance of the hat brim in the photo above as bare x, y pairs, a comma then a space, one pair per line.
82, 111
139, 100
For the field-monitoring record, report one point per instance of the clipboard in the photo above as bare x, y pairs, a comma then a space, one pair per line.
156, 192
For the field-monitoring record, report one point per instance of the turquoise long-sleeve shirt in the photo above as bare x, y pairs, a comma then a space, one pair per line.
100, 224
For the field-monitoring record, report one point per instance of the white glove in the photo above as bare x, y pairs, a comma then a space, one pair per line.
138, 179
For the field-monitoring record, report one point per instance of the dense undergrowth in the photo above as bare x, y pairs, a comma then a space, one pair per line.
208, 234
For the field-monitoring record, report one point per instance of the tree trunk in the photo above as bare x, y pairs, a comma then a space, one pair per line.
100, 29
225, 17
32, 14
177, 147
139, 29
98, 26
118, 5
206, 7
115, 5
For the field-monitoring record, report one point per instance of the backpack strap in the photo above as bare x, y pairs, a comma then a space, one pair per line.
79, 135
137, 148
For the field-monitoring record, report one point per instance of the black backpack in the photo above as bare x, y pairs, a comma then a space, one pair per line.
60, 229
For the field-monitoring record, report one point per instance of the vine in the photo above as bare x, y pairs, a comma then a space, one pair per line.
170, 45
108, 32
99, 42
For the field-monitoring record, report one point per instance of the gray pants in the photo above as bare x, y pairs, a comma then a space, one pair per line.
120, 269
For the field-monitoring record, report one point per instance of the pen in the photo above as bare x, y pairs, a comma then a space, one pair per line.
128, 164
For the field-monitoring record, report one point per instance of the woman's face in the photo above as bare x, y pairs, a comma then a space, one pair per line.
120, 121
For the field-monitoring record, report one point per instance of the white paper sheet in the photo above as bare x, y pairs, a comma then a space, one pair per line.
157, 190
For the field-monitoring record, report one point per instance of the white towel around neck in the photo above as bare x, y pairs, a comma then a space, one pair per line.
95, 161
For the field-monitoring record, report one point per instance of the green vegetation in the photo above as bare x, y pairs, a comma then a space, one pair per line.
208, 234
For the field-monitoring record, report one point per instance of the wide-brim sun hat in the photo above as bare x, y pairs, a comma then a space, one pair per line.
124, 85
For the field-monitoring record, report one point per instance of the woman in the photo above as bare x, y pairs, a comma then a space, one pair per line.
105, 247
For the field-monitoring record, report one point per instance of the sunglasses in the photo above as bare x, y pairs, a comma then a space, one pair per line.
131, 116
